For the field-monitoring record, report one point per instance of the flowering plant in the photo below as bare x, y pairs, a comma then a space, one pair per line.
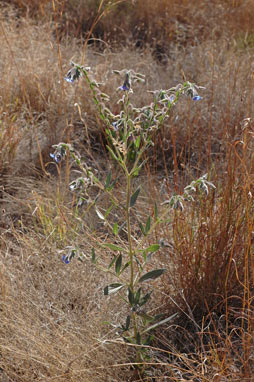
130, 133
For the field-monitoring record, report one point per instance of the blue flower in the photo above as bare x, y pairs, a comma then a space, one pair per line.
126, 85
197, 98
57, 157
172, 98
72, 75
114, 124
66, 259
71, 80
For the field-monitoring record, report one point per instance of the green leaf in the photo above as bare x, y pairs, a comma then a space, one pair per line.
152, 275
138, 338
93, 256
108, 210
94, 98
131, 297
113, 154
137, 142
128, 321
113, 247
155, 211
112, 184
137, 296
148, 340
146, 317
135, 172
112, 261
148, 225
108, 179
144, 299
134, 197
115, 229
125, 266
142, 228
118, 265
153, 248
112, 288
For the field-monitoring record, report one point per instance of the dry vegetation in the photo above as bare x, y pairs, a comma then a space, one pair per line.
52, 325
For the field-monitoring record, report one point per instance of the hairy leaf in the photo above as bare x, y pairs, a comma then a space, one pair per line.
152, 275
108, 179
100, 215
161, 322
153, 248
112, 288
93, 256
134, 197
113, 247
155, 211
128, 321
115, 229
131, 297
148, 224
118, 265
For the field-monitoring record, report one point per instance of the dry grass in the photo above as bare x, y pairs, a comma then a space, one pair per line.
52, 314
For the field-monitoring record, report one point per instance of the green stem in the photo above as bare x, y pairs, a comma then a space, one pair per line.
129, 230
131, 253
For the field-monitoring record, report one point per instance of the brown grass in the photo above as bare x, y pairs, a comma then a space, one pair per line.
52, 314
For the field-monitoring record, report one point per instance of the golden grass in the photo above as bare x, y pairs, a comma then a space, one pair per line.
52, 314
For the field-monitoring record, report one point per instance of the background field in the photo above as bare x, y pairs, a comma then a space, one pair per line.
52, 315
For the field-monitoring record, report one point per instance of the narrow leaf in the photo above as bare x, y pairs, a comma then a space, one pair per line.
118, 264
125, 266
142, 228
148, 340
112, 261
137, 296
131, 297
153, 248
144, 256
108, 179
146, 317
134, 197
155, 211
160, 323
137, 142
113, 247
115, 229
144, 299
128, 321
93, 256
96, 180
112, 288
108, 210
148, 224
138, 338
113, 154
135, 171
112, 185
152, 275
100, 215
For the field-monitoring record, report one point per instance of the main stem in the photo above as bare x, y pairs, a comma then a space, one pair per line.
131, 254
129, 178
